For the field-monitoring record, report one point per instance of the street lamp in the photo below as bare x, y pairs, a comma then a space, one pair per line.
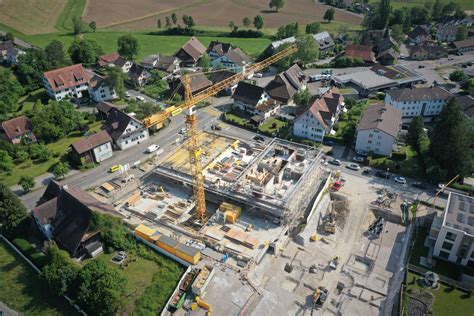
387, 174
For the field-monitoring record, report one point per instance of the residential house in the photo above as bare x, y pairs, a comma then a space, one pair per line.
424, 52
420, 35
103, 109
4, 47
446, 33
93, 148
13, 55
464, 46
272, 48
388, 57
99, 89
385, 44
65, 214
149, 62
217, 49
67, 82
197, 83
286, 84
115, 60
378, 129
254, 100
235, 60
318, 118
452, 231
427, 102
191, 52
139, 75
125, 130
325, 41
169, 64
219, 76
363, 52
466, 102
18, 129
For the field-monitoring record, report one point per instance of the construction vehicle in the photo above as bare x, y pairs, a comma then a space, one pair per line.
162, 119
203, 304
320, 296
329, 223
334, 263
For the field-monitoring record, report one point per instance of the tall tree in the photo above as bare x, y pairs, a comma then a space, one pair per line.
60, 272
115, 78
302, 97
461, 35
100, 288
415, 131
61, 170
10, 93
158, 23
258, 22
12, 212
277, 4
450, 141
468, 86
188, 21
30, 68
174, 18
397, 33
329, 15
205, 62
168, 22
27, 183
6, 162
77, 25
383, 14
437, 10
93, 26
308, 49
458, 76
231, 25
85, 51
246, 22
128, 46
55, 54
313, 28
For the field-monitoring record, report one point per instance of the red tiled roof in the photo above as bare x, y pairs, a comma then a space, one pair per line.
360, 51
17, 127
105, 60
91, 142
67, 77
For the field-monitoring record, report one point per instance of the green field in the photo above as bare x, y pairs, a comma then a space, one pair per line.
22, 290
465, 4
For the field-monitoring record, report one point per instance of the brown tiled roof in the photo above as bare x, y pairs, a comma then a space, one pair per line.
218, 76
267, 105
219, 48
382, 117
285, 84
67, 77
105, 107
431, 50
17, 127
418, 31
418, 94
95, 80
116, 123
105, 60
166, 63
194, 48
467, 104
198, 81
324, 107
360, 51
238, 57
464, 44
46, 212
92, 141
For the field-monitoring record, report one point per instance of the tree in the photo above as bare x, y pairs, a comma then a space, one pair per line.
174, 18
329, 15
313, 28
205, 62
127, 46
21, 155
44, 154
30, 68
231, 25
437, 10
450, 141
76, 25
100, 288
287, 30
246, 22
6, 162
188, 21
415, 131
302, 97
168, 22
158, 23
55, 54
85, 51
115, 78
349, 132
10, 93
458, 76
308, 49
397, 33
277, 4
383, 14
8, 36
258, 22
60, 272
468, 86
461, 35
93, 26
61, 170
399, 16
419, 15
27, 183
12, 212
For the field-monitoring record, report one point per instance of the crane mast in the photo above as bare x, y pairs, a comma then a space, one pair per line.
190, 100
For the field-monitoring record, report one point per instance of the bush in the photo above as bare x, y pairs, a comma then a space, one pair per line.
463, 187
38, 258
246, 34
335, 139
400, 155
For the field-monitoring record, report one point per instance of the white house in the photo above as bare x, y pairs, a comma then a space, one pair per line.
378, 129
318, 119
447, 32
234, 60
99, 90
96, 147
427, 102
125, 130
452, 232
139, 74
254, 100
115, 60
217, 49
67, 82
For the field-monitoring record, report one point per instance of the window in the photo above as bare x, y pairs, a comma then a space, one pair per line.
447, 245
379, 137
370, 142
370, 135
450, 236
444, 254
378, 143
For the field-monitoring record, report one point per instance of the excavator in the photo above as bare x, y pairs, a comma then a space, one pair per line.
162, 119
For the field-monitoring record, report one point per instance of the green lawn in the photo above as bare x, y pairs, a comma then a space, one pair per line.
409, 167
447, 301
73, 8
22, 290
28, 101
268, 125
237, 119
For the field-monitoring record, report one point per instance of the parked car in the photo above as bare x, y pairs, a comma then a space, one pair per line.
353, 166
400, 180
140, 98
383, 174
335, 162
361, 153
358, 159
216, 127
421, 66
328, 142
337, 185
127, 94
183, 131
419, 185
258, 75
366, 172
259, 138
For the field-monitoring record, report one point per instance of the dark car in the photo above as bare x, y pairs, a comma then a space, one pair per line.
216, 127
366, 172
328, 142
383, 174
421, 66
259, 138
419, 185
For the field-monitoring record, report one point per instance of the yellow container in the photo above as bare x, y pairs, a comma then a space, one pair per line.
231, 217
144, 232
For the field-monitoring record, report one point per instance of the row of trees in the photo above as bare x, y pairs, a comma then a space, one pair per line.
257, 23
172, 20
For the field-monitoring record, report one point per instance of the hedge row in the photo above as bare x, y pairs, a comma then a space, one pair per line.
38, 258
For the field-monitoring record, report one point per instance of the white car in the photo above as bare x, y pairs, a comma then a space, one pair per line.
152, 148
400, 180
127, 94
183, 131
258, 75
335, 162
358, 159
361, 153
353, 166
140, 98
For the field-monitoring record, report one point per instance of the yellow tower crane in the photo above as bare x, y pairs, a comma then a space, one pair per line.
162, 118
